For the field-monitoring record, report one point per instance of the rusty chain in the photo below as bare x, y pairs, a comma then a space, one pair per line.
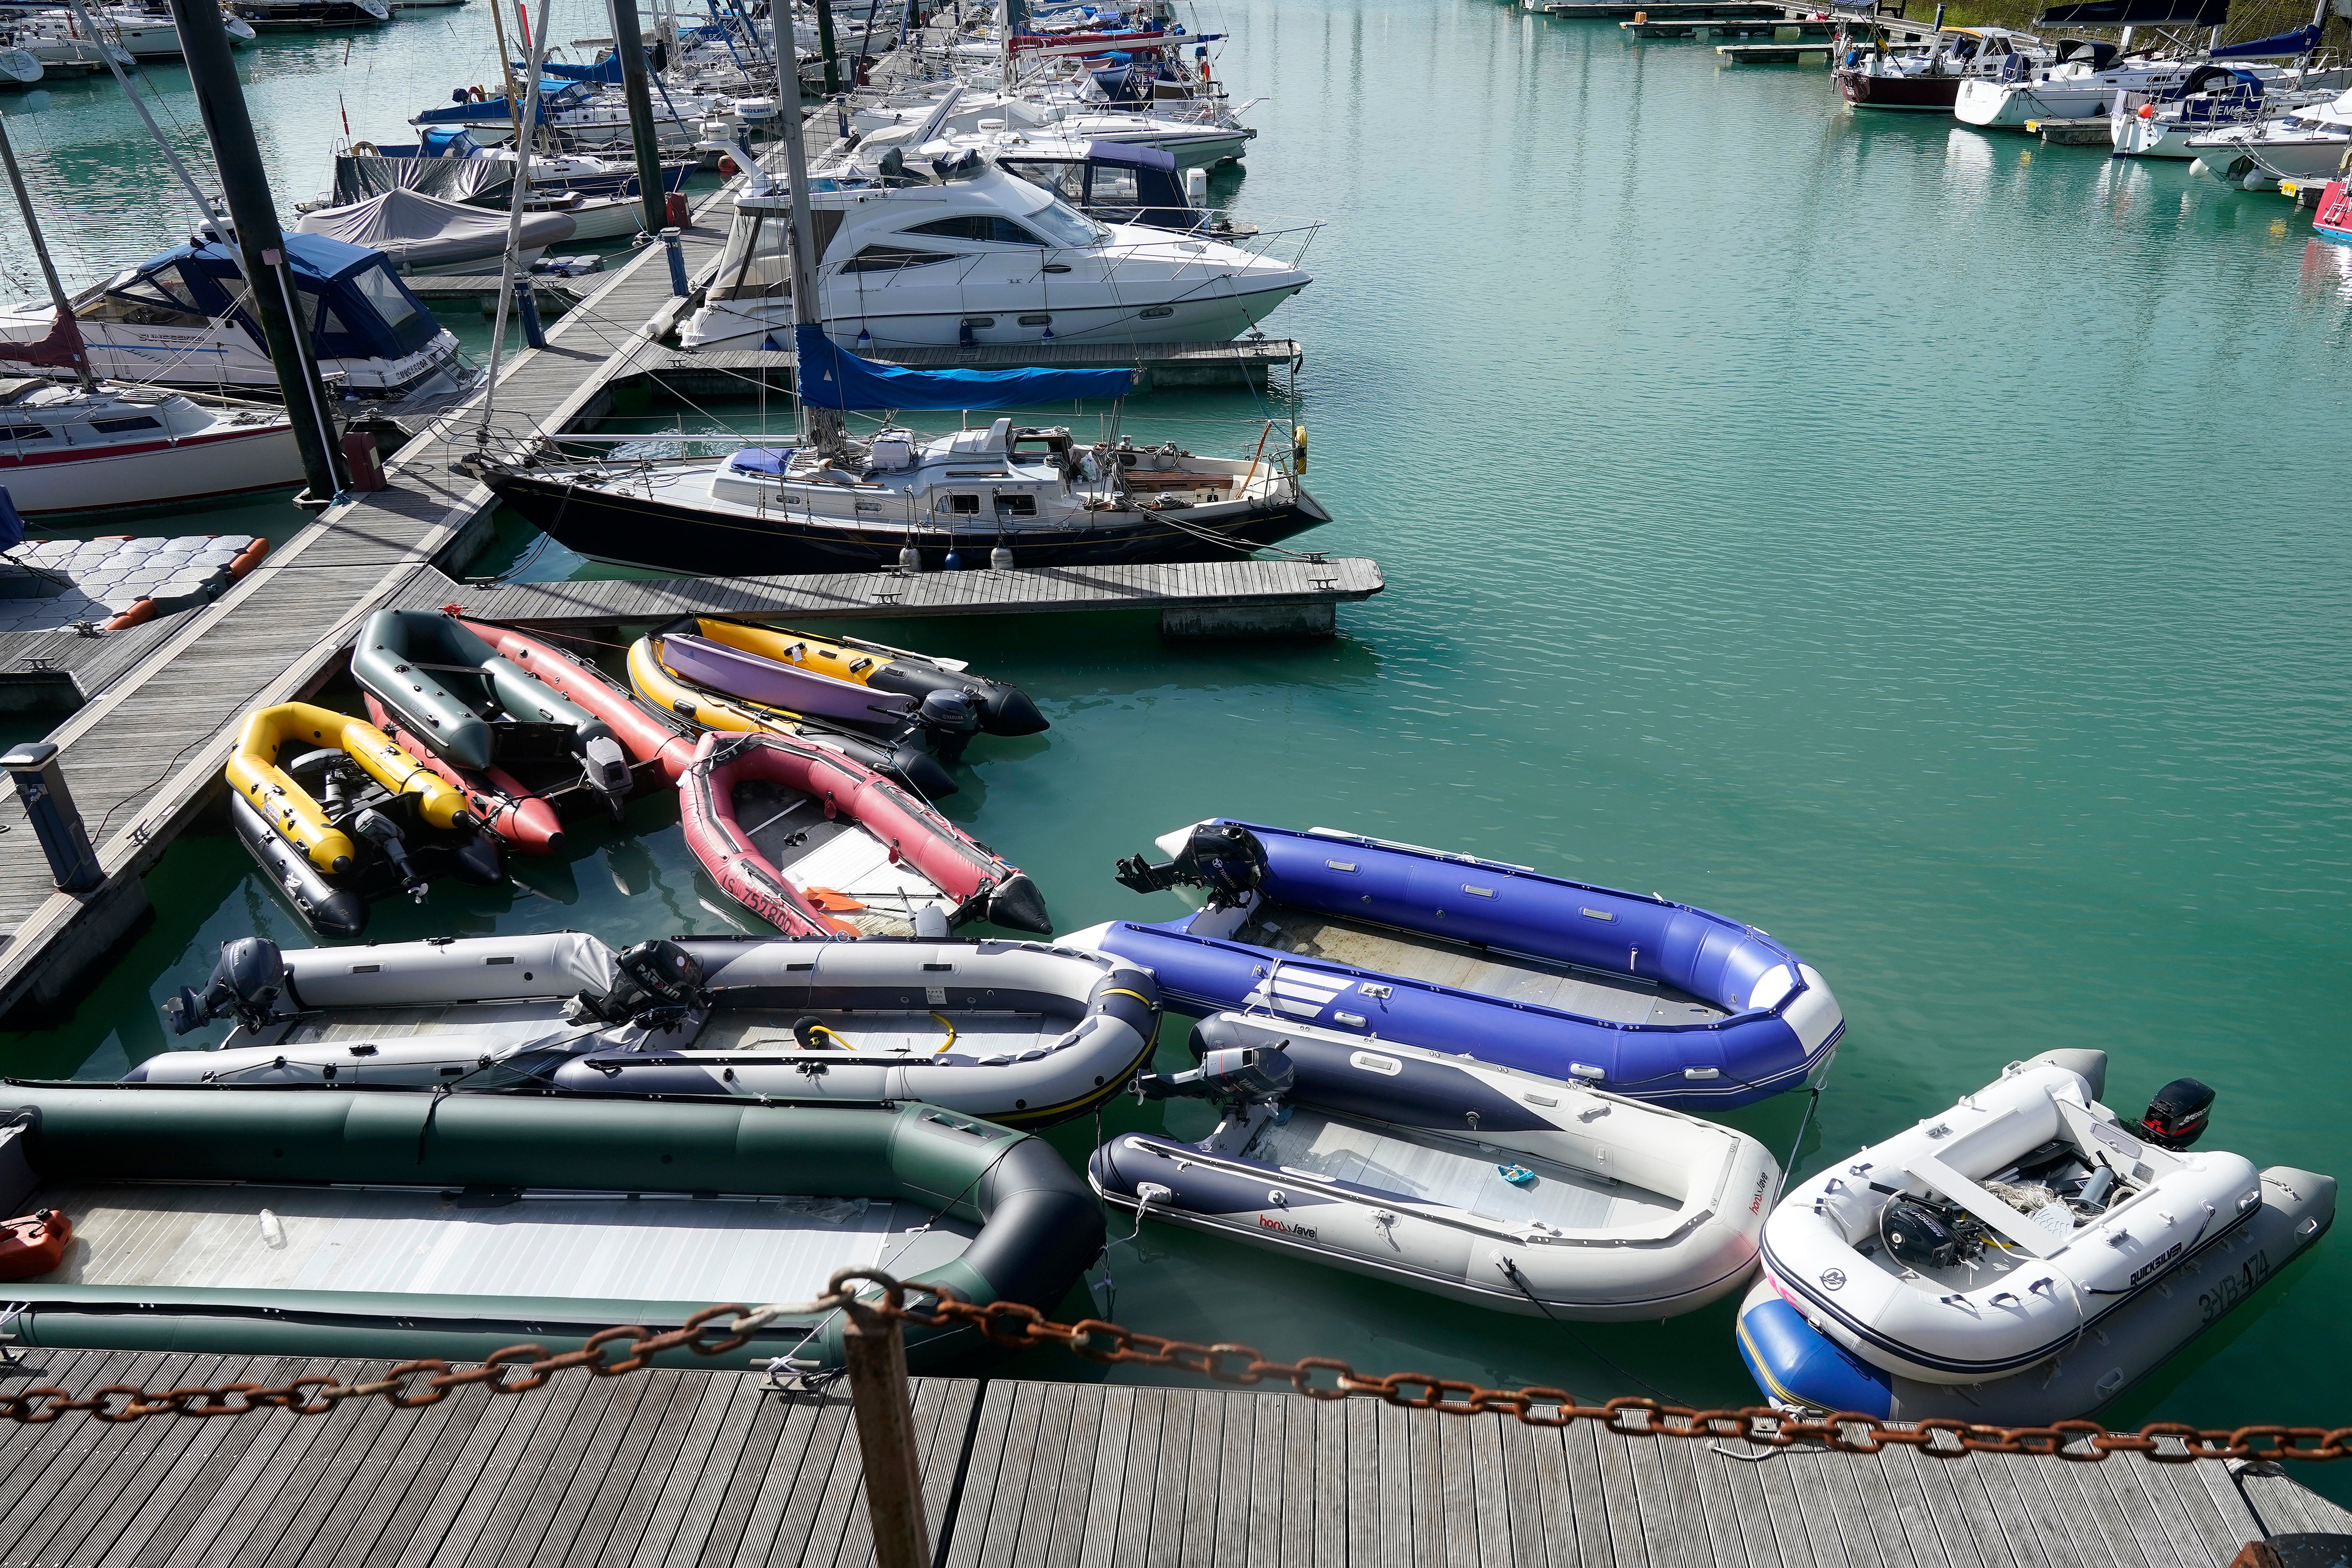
516, 1369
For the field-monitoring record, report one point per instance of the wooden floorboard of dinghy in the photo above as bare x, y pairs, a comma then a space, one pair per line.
710, 1469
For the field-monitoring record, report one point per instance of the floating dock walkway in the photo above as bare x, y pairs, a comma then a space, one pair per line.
158, 714
700, 1469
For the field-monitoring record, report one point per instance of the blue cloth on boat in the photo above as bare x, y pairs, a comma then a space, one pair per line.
769, 460
829, 376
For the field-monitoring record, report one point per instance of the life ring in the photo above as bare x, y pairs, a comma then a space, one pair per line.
365, 150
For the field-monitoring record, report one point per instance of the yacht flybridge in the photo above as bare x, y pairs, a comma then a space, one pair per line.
969, 254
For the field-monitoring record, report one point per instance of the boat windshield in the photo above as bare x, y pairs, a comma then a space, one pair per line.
1065, 225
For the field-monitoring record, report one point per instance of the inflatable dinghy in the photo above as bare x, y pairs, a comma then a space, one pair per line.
1633, 993
817, 845
1013, 1031
681, 681
524, 754
2021, 1258
868, 685
329, 1222
338, 815
648, 737
1537, 1196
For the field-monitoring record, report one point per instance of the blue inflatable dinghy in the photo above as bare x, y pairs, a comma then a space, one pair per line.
1633, 994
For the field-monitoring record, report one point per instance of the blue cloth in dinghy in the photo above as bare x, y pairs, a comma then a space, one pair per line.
1633, 993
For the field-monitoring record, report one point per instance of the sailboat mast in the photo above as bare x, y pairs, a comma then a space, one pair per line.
49, 268
629, 48
824, 424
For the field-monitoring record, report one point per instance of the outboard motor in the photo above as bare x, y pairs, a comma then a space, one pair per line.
1925, 1238
949, 721
1223, 858
384, 834
248, 982
2175, 1117
1240, 1074
606, 767
657, 982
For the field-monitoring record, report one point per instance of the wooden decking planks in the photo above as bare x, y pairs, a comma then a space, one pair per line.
710, 1469
615, 601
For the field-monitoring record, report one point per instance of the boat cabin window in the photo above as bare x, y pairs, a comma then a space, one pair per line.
1108, 186
984, 227
124, 426
157, 299
379, 289
891, 258
1067, 180
1061, 223
1016, 506
963, 505
41, 433
756, 263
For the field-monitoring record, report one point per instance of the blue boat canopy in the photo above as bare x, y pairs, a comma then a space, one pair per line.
829, 376
353, 302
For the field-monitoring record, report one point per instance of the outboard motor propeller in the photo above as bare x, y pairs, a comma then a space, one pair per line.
247, 982
1223, 858
2175, 1117
1239, 1074
950, 719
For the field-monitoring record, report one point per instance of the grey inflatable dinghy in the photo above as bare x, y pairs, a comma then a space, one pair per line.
1013, 1031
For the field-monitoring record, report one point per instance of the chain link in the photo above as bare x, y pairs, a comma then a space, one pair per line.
716, 1330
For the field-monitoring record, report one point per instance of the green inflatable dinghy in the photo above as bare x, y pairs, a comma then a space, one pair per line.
341, 1222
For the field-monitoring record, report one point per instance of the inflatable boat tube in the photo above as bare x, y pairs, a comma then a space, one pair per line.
874, 668
521, 750
901, 757
1522, 1194
1634, 993
1013, 1031
817, 845
1798, 1367
256, 773
2003, 1234
646, 736
381, 824
448, 1226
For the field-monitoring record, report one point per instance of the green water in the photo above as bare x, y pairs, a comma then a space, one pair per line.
1918, 543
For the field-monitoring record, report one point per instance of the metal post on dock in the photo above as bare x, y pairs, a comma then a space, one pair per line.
629, 47
527, 305
876, 1353
674, 243
268, 273
40, 783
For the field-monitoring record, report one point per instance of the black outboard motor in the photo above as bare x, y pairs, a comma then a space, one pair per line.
657, 982
384, 834
2175, 1117
949, 721
1222, 858
248, 982
1241, 1075
1925, 1237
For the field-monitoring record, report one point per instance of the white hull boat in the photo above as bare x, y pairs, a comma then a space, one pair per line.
981, 258
17, 69
2307, 144
2024, 1252
67, 451
1013, 1031
1538, 1196
2074, 89
2222, 100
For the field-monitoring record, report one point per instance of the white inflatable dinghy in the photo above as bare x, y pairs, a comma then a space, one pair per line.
1485, 1184
2022, 1257
1013, 1031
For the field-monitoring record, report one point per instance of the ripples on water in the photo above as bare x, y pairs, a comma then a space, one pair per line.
1919, 542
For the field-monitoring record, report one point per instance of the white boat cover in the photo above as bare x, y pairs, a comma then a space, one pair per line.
416, 230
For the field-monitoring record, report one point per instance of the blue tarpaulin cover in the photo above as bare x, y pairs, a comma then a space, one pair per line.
2295, 43
829, 376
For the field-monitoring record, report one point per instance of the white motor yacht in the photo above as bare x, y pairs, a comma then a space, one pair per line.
974, 255
1194, 143
2164, 128
144, 33
174, 320
56, 42
2306, 145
